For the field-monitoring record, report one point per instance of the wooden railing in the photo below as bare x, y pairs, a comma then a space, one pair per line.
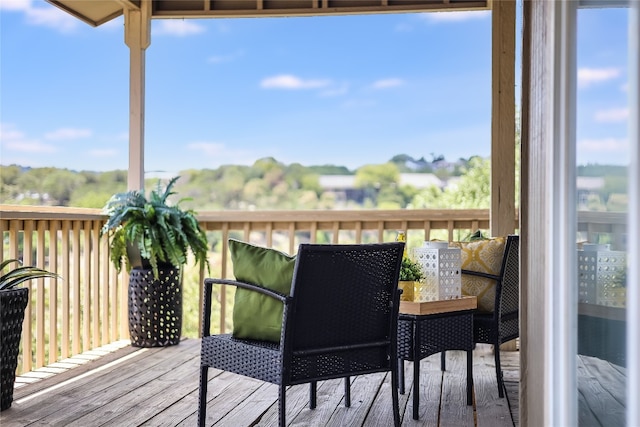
87, 307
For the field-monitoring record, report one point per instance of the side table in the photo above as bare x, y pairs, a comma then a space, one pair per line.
426, 328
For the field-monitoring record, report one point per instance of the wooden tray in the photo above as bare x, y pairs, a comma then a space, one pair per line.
441, 306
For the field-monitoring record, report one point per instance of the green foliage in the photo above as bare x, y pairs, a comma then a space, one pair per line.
472, 191
12, 278
602, 170
329, 170
377, 176
620, 281
410, 270
163, 233
59, 187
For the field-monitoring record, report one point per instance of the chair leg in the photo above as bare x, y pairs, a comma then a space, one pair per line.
202, 396
401, 375
347, 392
496, 354
394, 397
313, 394
282, 412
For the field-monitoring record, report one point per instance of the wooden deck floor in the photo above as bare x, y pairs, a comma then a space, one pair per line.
159, 387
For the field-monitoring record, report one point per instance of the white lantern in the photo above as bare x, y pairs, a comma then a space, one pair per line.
441, 267
599, 269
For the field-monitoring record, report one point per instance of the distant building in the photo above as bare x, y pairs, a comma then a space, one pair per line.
343, 186
421, 180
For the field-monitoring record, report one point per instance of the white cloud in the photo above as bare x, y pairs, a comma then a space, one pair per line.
613, 115
53, 18
590, 76
287, 81
605, 145
19, 5
180, 28
45, 15
460, 16
387, 83
9, 132
67, 133
14, 140
29, 146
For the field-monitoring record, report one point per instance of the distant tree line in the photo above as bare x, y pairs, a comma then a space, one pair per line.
270, 184
267, 184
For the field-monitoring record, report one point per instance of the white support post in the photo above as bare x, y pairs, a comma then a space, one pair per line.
137, 29
503, 117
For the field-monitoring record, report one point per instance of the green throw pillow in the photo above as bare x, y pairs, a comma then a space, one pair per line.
257, 316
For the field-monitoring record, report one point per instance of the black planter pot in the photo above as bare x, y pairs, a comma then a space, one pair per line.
12, 306
155, 307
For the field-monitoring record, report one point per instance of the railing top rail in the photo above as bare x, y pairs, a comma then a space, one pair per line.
343, 215
49, 212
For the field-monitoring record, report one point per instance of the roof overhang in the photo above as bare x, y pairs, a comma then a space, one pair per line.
97, 12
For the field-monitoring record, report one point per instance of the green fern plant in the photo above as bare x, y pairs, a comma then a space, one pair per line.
12, 278
163, 234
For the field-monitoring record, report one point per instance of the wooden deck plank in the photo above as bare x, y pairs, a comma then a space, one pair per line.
363, 393
510, 361
491, 410
95, 394
454, 410
159, 387
430, 391
143, 403
330, 395
597, 405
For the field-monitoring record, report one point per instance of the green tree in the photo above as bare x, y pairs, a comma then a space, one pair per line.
59, 185
471, 191
9, 188
374, 179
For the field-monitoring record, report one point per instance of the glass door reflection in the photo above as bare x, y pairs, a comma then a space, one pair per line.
602, 155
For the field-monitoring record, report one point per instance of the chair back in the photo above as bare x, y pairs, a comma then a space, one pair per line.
344, 310
508, 290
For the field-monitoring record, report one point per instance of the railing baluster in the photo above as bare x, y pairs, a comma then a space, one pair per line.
65, 342
87, 287
96, 318
108, 298
54, 226
40, 294
27, 347
76, 314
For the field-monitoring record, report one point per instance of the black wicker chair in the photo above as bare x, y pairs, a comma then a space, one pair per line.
502, 324
340, 320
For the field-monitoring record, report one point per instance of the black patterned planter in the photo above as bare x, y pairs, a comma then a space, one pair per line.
155, 307
12, 306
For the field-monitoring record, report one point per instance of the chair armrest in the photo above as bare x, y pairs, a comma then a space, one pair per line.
208, 285
481, 274
251, 286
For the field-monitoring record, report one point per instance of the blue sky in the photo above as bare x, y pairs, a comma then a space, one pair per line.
349, 90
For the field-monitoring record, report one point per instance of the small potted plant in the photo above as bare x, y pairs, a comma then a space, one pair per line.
13, 301
153, 239
410, 273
